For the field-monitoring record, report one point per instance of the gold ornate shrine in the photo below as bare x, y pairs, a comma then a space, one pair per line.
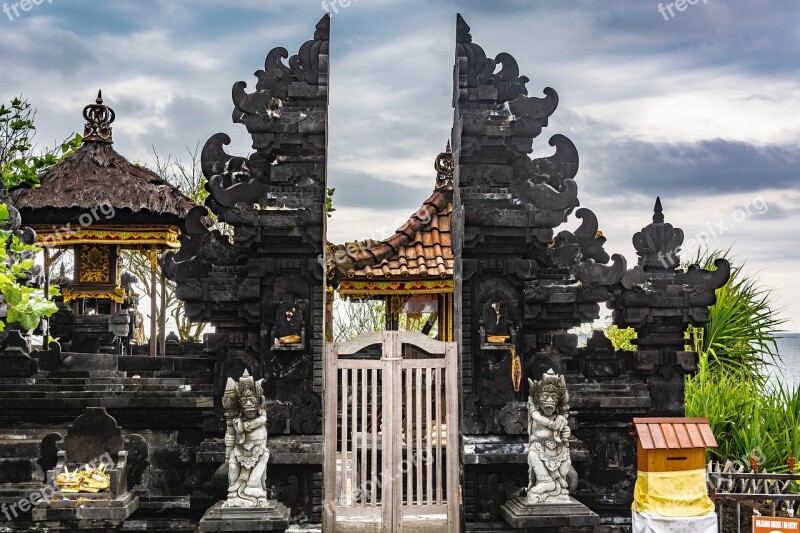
413, 269
97, 203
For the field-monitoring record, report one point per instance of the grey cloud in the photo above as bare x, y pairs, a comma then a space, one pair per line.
680, 169
360, 189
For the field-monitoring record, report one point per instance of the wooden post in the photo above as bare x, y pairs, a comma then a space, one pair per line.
453, 439
46, 330
162, 327
329, 297
329, 418
153, 303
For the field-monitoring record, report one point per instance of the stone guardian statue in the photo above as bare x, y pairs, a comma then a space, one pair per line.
548, 431
246, 449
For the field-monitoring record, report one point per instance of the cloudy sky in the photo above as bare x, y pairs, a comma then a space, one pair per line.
699, 106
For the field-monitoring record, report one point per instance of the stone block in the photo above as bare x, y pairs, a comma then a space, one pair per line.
569, 515
273, 517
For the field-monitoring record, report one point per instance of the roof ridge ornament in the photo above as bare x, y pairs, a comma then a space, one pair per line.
444, 168
658, 243
98, 121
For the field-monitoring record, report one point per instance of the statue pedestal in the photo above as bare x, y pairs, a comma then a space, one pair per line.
273, 517
568, 514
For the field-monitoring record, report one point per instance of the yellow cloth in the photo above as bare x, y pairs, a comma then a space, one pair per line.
672, 493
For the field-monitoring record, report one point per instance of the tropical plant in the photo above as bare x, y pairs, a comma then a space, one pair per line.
19, 162
329, 201
621, 338
740, 333
749, 419
23, 304
751, 416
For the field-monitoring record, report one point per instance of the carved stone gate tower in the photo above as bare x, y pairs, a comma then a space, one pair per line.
261, 283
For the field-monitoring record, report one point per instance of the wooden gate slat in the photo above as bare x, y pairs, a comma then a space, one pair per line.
374, 432
409, 438
418, 433
363, 468
428, 437
343, 488
438, 374
353, 436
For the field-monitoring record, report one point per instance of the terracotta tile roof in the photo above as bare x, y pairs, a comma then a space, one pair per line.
674, 433
420, 248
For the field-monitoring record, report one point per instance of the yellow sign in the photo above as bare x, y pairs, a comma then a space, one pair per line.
775, 524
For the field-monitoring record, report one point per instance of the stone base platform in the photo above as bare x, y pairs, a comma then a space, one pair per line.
567, 515
273, 517
92, 511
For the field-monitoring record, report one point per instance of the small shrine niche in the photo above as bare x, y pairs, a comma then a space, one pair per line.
96, 272
290, 326
496, 328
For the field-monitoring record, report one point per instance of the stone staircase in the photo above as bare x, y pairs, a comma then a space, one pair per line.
140, 392
113, 382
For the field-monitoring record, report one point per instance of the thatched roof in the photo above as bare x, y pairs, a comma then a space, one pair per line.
94, 175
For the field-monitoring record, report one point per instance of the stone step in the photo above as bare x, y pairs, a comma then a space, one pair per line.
80, 374
139, 364
5, 390
172, 392
167, 374
19, 446
143, 401
140, 380
79, 382
17, 469
11, 493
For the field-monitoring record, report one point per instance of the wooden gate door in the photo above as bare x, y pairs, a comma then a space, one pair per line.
391, 445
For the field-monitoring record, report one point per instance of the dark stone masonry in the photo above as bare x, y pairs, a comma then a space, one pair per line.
520, 284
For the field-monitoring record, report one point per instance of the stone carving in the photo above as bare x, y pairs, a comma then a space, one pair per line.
246, 442
548, 431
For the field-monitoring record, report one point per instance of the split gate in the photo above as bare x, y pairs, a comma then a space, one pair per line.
391, 444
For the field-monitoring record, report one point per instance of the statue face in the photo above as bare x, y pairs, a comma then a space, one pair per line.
249, 406
548, 403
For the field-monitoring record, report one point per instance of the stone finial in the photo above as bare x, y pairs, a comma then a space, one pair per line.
462, 30
444, 168
98, 121
658, 212
658, 243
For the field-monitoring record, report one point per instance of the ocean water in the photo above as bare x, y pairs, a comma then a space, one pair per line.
788, 368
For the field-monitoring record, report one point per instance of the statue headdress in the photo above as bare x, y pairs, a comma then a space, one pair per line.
550, 382
245, 388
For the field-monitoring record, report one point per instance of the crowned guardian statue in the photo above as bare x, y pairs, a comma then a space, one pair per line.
548, 431
246, 449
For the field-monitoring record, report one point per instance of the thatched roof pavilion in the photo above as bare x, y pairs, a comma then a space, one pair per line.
98, 202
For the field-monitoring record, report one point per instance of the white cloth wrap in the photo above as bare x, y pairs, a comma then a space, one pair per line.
652, 523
